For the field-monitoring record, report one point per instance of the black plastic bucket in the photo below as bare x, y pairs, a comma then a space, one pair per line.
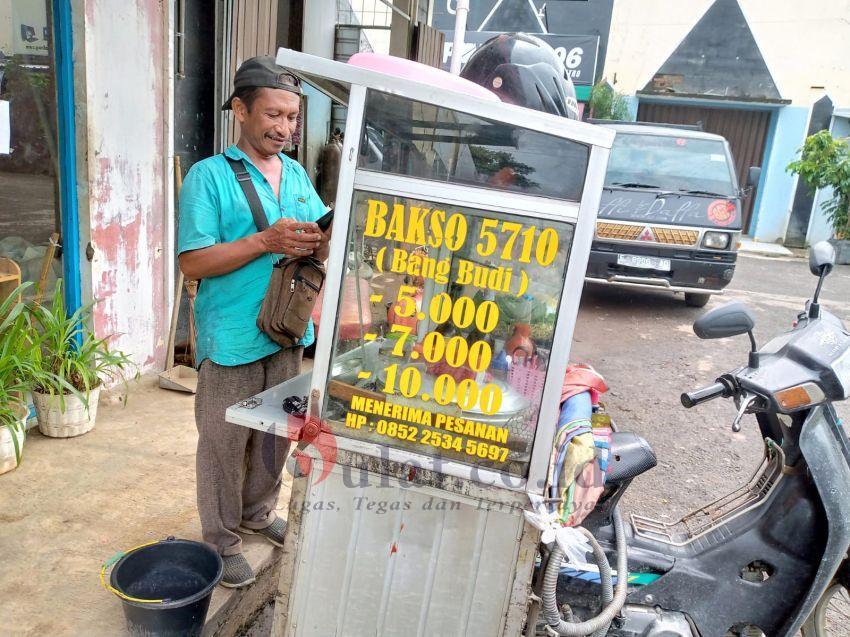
181, 573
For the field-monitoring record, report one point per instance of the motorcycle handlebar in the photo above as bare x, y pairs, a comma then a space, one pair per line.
699, 396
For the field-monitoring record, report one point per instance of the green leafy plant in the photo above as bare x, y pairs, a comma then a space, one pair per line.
15, 358
825, 163
606, 103
19, 352
72, 367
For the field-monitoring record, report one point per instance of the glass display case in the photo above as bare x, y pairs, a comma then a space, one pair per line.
452, 360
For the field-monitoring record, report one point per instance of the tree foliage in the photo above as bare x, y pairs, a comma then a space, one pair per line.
607, 103
825, 163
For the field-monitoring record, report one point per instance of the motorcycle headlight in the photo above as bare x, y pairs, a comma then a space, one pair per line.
716, 240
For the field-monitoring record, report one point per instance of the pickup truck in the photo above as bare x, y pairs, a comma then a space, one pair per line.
670, 214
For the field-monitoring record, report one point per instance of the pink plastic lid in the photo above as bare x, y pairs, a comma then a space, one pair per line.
408, 69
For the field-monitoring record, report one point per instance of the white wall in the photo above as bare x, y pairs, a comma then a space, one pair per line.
319, 27
319, 35
805, 44
126, 212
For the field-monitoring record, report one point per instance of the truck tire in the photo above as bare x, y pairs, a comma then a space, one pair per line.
694, 299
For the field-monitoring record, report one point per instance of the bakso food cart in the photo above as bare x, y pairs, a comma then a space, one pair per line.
461, 236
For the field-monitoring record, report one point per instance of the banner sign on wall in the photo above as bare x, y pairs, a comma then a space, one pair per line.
23, 27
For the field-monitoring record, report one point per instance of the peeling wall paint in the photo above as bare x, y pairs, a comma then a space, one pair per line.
127, 181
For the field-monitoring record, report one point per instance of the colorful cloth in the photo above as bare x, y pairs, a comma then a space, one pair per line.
587, 489
602, 441
581, 378
580, 452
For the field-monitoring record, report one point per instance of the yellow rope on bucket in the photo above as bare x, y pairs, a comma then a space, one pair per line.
115, 558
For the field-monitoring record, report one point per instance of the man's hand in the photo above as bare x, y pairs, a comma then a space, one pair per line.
281, 238
292, 238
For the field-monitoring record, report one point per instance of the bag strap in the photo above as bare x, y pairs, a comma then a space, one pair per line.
244, 179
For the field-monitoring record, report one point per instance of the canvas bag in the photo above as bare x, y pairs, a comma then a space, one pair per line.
295, 282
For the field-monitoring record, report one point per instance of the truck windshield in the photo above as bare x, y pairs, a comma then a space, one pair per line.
664, 162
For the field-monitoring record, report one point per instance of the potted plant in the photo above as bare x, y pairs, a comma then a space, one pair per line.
825, 163
14, 360
18, 352
76, 364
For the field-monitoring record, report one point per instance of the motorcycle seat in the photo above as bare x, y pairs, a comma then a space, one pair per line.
630, 456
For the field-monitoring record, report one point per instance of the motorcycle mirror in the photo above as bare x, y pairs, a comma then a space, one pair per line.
821, 262
730, 319
821, 258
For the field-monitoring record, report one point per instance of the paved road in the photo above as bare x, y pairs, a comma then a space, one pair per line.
643, 343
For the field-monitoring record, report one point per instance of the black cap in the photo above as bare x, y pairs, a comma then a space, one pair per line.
262, 72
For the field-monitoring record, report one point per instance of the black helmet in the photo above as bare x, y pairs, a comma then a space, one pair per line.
522, 69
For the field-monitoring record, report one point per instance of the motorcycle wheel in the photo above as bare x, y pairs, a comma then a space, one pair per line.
831, 616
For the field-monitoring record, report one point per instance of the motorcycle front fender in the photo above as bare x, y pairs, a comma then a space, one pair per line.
825, 447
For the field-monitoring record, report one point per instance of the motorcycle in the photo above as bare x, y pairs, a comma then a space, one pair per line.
770, 558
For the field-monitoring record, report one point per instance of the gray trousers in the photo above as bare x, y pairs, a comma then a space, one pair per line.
238, 468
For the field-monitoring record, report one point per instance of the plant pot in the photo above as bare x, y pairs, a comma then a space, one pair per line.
842, 250
75, 420
32, 421
8, 459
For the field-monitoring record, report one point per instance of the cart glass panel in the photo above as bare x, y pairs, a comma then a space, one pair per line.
416, 139
445, 329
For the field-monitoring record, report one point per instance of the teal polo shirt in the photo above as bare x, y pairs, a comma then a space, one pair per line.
213, 209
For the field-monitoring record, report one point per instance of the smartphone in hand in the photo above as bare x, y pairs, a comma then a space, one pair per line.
325, 220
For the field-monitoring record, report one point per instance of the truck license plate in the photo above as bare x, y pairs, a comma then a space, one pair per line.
645, 263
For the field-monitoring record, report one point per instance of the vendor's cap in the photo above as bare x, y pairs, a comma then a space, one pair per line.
262, 72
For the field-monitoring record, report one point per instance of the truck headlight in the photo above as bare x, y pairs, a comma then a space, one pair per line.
716, 240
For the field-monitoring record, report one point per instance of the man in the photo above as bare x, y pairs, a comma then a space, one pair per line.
239, 469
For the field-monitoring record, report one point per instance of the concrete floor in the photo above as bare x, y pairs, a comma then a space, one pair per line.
75, 502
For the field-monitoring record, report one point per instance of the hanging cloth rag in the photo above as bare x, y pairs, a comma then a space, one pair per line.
579, 459
581, 378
